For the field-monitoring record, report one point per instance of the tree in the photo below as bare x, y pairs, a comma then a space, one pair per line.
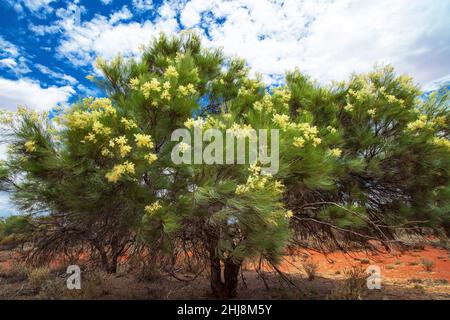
358, 161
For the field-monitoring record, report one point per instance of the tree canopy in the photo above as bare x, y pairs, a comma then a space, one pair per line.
362, 160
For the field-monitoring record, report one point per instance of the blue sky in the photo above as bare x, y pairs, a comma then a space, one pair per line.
47, 47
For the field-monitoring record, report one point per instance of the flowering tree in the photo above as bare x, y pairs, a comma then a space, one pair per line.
356, 161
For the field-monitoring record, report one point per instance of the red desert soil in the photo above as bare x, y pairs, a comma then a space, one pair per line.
394, 265
403, 274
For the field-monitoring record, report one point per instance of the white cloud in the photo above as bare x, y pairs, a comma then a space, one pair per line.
329, 38
11, 58
41, 30
437, 84
123, 14
8, 62
141, 5
60, 78
8, 48
107, 37
39, 8
29, 93
106, 2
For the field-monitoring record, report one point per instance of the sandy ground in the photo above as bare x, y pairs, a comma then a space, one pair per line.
404, 276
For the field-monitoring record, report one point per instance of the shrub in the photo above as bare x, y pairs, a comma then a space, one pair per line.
38, 277
364, 261
352, 288
427, 265
310, 268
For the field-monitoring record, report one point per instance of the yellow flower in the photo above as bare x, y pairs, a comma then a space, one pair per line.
165, 95
122, 140
418, 124
100, 129
289, 214
316, 141
441, 121
171, 72
191, 123
442, 142
336, 152
128, 124
118, 170
348, 108
281, 120
149, 86
106, 152
134, 83
124, 150
152, 208
331, 129
166, 85
191, 88
183, 91
241, 131
91, 137
151, 157
30, 146
143, 140
371, 112
266, 103
299, 142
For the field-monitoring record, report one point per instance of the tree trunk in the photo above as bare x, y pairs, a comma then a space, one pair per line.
231, 273
227, 288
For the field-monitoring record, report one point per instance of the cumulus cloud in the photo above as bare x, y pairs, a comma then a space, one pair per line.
59, 77
327, 39
141, 5
107, 36
10, 58
39, 8
29, 93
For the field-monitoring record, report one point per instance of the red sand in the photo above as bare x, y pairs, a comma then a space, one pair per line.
394, 266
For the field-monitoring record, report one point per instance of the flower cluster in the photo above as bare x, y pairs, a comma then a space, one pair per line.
418, 124
258, 181
6, 117
143, 140
336, 152
151, 209
442, 142
282, 120
119, 170
151, 157
122, 142
240, 131
186, 90
150, 86
331, 129
134, 83
128, 124
309, 134
30, 146
171, 72
264, 104
192, 123
100, 129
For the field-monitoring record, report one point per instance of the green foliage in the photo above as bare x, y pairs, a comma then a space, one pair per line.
359, 158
